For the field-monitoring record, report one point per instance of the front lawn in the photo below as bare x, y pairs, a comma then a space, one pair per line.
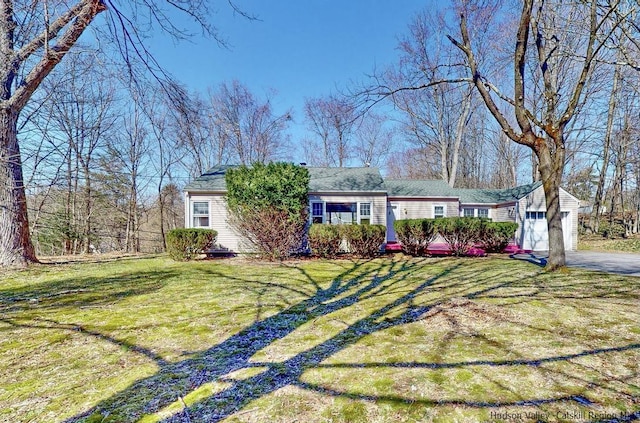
391, 339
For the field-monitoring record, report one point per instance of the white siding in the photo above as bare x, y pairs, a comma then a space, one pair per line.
504, 213
218, 217
422, 208
536, 201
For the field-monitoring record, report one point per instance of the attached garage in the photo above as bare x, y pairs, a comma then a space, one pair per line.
534, 234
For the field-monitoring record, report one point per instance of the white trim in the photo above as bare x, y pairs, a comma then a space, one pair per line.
367, 216
324, 211
194, 215
187, 213
444, 210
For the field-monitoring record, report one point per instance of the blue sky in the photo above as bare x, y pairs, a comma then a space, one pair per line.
300, 49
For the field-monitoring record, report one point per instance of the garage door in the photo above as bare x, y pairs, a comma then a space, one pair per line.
536, 234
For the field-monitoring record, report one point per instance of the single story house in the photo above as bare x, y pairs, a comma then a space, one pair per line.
360, 195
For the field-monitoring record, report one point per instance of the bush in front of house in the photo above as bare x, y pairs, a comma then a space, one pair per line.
268, 206
415, 235
324, 240
460, 233
363, 240
495, 236
185, 244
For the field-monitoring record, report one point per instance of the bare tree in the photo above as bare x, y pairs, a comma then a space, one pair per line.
332, 121
34, 37
129, 152
374, 140
567, 40
245, 128
82, 113
437, 117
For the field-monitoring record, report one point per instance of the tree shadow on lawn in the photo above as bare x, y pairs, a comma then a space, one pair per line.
175, 381
82, 292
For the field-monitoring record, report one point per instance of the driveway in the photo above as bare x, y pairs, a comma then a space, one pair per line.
620, 263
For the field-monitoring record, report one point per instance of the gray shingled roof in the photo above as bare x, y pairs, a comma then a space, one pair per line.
322, 179
419, 188
497, 196
211, 180
439, 188
368, 179
345, 179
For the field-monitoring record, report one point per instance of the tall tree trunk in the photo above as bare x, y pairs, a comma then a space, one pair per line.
15, 242
551, 166
460, 132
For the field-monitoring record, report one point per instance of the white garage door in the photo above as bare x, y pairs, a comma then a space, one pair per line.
536, 234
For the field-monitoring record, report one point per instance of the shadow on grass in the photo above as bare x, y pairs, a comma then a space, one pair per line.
360, 281
82, 292
49, 324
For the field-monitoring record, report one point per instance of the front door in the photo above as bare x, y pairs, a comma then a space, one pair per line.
392, 215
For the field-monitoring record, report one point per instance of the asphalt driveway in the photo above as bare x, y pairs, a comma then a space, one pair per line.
620, 263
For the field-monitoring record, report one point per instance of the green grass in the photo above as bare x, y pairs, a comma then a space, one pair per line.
598, 243
391, 339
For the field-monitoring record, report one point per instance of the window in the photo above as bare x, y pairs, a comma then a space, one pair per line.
468, 212
438, 211
317, 213
365, 213
200, 214
342, 213
484, 213
536, 215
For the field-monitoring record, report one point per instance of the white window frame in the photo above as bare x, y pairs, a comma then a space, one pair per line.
535, 215
464, 212
488, 216
444, 210
197, 216
364, 216
313, 215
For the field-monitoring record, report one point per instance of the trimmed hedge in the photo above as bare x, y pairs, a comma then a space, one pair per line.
185, 244
324, 240
460, 234
363, 240
496, 235
415, 234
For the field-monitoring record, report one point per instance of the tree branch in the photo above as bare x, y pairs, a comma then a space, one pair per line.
48, 33
465, 46
592, 51
85, 15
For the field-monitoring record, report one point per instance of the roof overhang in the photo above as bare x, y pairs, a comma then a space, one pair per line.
416, 198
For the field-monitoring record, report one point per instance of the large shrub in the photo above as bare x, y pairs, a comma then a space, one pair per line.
460, 233
363, 240
185, 244
324, 240
495, 236
415, 235
268, 207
